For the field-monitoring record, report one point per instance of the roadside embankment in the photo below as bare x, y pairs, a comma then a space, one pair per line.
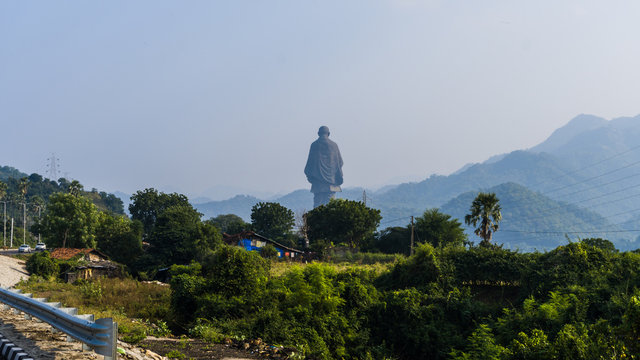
12, 270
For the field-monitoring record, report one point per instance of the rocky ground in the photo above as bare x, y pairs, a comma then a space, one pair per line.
39, 341
230, 350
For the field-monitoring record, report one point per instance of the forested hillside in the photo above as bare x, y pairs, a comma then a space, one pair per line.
531, 221
26, 198
591, 163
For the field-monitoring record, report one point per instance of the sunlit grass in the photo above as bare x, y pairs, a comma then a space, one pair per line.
134, 305
279, 268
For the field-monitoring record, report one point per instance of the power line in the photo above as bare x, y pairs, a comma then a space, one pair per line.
601, 185
568, 232
592, 178
603, 195
394, 220
587, 166
573, 204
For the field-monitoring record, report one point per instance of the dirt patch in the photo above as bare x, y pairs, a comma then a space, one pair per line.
12, 270
200, 350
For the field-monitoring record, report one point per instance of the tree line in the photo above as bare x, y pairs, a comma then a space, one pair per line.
451, 299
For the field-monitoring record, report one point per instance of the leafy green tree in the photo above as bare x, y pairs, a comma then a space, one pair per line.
534, 346
119, 237
572, 342
179, 236
147, 204
600, 243
342, 222
439, 229
394, 240
229, 223
272, 220
69, 221
631, 323
484, 210
481, 346
418, 271
233, 271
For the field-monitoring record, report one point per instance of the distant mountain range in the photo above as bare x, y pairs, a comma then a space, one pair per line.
588, 171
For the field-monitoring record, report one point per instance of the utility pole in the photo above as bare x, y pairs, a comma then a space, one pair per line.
24, 223
411, 251
11, 233
4, 233
39, 208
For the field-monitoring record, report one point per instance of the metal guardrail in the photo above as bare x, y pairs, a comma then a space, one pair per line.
101, 335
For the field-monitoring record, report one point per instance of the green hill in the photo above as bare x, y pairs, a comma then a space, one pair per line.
39, 189
533, 221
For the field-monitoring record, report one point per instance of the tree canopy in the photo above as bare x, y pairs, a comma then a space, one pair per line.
69, 221
229, 223
272, 220
439, 229
119, 237
342, 222
147, 204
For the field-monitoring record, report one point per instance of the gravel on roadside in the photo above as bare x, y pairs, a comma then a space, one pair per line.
12, 270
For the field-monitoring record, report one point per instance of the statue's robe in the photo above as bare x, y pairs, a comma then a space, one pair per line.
324, 166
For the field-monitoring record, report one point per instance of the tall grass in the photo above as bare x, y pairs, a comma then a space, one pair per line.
279, 268
139, 308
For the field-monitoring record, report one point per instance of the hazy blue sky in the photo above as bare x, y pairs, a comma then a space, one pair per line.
192, 95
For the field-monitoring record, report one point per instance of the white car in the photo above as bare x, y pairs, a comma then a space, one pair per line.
24, 248
41, 247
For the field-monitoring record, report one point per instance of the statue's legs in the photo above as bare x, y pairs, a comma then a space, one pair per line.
322, 198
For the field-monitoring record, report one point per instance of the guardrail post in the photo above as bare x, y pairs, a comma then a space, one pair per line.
111, 351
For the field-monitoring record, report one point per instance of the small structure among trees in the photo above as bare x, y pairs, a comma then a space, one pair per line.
92, 264
251, 241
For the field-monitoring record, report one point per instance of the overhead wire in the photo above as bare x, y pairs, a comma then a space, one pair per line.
587, 166
592, 178
617, 230
600, 185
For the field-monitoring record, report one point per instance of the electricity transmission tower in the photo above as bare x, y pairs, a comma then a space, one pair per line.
52, 167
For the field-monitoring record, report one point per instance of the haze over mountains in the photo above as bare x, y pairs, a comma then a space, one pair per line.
583, 181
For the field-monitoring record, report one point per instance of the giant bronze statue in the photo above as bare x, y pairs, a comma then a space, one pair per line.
324, 168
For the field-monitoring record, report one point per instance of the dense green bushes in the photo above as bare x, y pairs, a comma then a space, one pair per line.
43, 265
579, 301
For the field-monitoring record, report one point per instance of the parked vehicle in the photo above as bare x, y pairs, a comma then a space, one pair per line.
41, 247
24, 248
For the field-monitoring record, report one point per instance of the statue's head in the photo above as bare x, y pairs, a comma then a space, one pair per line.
323, 131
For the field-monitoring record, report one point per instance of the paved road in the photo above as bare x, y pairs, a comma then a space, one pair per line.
12, 270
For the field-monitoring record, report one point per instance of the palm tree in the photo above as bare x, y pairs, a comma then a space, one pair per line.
485, 210
23, 187
75, 188
3, 190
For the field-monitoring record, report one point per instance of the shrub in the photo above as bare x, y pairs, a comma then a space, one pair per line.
269, 252
206, 331
175, 354
42, 264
